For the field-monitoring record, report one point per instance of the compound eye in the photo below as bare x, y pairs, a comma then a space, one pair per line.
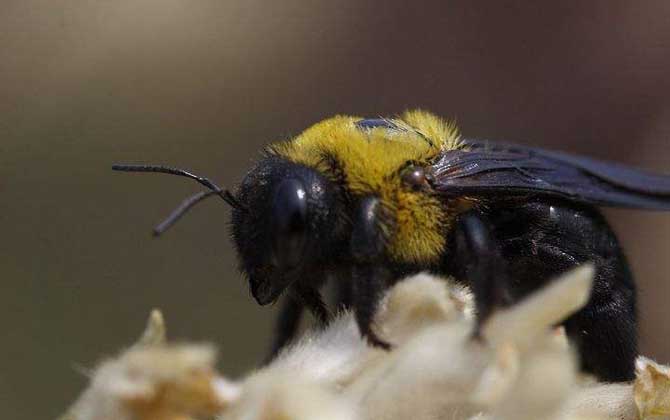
414, 177
289, 212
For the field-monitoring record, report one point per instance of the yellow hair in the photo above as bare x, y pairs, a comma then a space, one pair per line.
371, 160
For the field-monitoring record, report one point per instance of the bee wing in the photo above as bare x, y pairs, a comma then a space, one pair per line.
499, 169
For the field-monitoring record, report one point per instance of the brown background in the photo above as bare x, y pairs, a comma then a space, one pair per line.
205, 83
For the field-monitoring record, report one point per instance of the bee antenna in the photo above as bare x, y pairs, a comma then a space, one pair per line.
226, 195
181, 210
187, 204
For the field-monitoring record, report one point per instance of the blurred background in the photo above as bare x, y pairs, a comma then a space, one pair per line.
205, 84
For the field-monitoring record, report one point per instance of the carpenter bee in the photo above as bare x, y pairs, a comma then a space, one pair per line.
366, 202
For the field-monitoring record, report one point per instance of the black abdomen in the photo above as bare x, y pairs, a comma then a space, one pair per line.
539, 239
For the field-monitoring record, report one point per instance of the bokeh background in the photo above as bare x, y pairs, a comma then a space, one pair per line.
204, 84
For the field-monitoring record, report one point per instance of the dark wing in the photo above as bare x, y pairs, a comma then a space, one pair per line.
498, 169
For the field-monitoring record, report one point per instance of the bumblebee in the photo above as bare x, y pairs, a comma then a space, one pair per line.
366, 202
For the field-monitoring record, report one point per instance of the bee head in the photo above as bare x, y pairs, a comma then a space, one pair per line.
285, 227
345, 190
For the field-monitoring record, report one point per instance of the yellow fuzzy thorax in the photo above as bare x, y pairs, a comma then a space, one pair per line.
372, 161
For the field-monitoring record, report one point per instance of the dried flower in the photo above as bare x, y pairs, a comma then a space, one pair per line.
153, 380
521, 367
652, 389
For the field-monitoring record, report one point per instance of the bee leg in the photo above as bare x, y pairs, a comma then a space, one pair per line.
344, 293
370, 277
477, 261
286, 326
310, 298
368, 284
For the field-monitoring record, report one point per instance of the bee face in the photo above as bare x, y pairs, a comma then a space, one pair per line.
307, 203
285, 227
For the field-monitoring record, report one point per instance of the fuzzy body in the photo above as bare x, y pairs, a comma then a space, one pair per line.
374, 218
370, 201
366, 161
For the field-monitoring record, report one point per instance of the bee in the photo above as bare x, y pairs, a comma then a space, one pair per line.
366, 202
